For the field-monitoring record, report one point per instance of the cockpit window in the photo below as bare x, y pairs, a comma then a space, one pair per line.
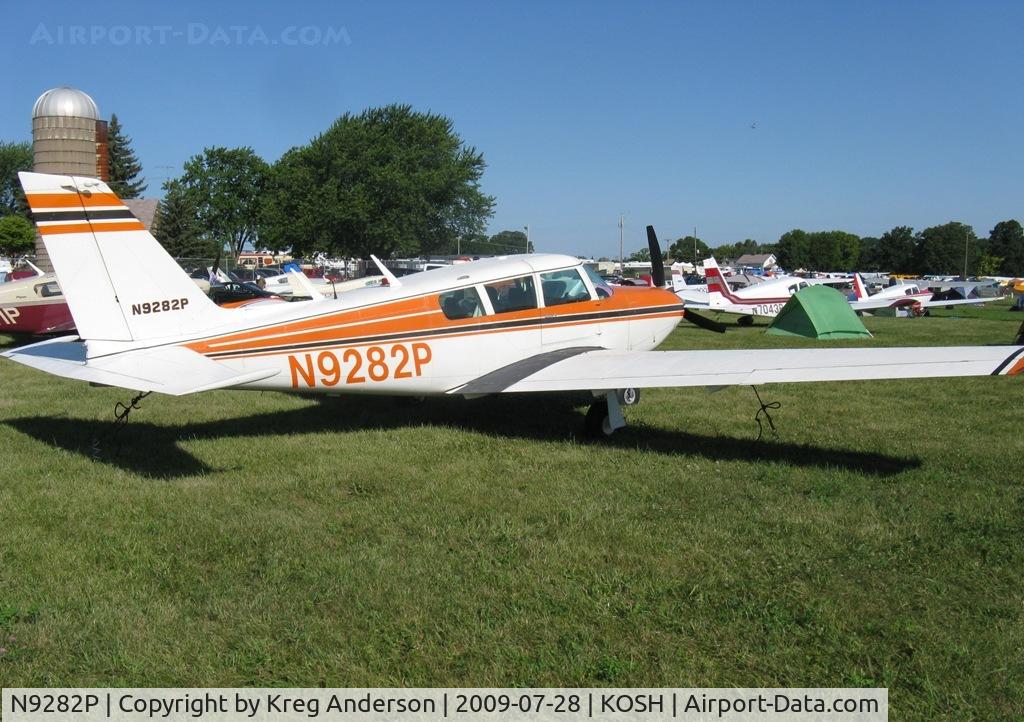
565, 286
513, 294
48, 290
600, 285
461, 303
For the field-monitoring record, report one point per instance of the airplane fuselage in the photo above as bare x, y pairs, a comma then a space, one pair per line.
437, 331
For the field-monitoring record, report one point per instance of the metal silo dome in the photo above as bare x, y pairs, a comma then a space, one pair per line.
66, 102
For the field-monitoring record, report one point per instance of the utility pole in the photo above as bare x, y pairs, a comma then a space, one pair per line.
695, 249
621, 223
527, 227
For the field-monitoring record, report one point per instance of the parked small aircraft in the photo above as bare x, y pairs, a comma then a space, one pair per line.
913, 296
760, 299
528, 323
34, 306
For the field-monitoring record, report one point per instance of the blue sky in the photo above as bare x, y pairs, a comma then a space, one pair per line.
868, 115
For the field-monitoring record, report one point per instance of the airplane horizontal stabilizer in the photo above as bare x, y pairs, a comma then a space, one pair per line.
171, 370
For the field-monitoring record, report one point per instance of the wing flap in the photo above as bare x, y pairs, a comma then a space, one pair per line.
602, 369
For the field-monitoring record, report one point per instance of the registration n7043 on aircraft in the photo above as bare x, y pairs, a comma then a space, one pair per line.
528, 323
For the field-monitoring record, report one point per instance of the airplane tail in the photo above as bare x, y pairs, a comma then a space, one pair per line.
718, 289
859, 288
119, 282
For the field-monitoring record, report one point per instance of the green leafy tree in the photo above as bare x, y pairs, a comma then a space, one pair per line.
177, 227
125, 169
988, 265
794, 250
501, 243
641, 256
16, 235
941, 249
870, 254
387, 181
682, 250
14, 158
226, 186
896, 250
1006, 240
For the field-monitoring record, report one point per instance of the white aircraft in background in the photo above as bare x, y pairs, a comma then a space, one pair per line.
912, 296
528, 323
761, 299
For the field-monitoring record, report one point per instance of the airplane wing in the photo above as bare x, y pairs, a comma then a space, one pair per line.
962, 301
587, 369
172, 370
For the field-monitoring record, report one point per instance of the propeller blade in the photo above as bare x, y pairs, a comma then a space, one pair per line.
657, 263
703, 321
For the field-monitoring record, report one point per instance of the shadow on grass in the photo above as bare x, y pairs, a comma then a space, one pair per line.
153, 450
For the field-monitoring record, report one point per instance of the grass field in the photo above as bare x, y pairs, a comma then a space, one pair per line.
264, 539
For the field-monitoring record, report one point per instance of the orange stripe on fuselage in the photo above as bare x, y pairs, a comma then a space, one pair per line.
90, 228
381, 320
469, 332
1018, 368
72, 200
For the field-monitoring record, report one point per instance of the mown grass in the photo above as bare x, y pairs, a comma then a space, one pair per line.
266, 539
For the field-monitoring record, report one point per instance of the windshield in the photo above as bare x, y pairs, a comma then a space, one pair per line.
600, 285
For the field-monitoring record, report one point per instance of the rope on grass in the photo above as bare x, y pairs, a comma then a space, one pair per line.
768, 417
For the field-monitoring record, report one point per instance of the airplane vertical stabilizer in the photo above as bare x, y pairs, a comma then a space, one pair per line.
718, 289
120, 284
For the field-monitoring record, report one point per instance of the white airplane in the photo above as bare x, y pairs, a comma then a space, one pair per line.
515, 324
761, 299
912, 296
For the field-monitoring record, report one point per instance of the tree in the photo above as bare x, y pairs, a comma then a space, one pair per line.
177, 227
641, 256
124, 164
16, 235
794, 250
940, 249
508, 242
14, 157
501, 243
226, 186
682, 250
387, 181
870, 254
1006, 240
896, 250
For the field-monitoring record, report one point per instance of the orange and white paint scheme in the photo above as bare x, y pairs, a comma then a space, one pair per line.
528, 323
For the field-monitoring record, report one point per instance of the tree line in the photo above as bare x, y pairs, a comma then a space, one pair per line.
936, 250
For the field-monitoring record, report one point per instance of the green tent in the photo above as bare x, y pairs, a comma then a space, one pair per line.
818, 312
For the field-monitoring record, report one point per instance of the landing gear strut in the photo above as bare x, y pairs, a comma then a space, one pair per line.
604, 417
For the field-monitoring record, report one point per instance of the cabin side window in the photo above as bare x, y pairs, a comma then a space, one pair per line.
48, 290
564, 286
512, 294
461, 303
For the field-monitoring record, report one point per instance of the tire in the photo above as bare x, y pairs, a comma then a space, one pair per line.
628, 397
745, 321
596, 425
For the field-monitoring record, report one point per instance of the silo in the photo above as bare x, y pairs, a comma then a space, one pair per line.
68, 138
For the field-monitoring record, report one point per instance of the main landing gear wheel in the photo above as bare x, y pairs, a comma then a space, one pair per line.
628, 397
604, 416
596, 424
745, 321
